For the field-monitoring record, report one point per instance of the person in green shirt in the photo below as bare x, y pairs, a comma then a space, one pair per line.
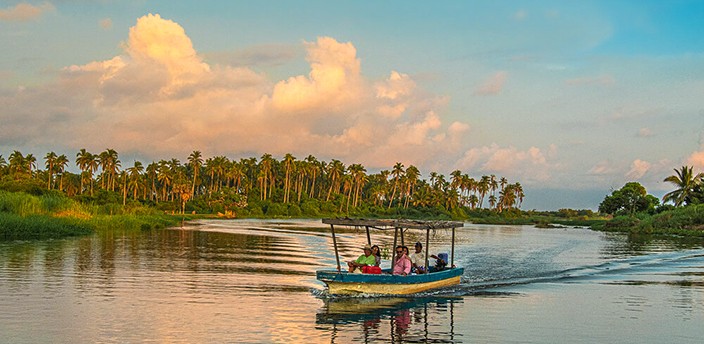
366, 259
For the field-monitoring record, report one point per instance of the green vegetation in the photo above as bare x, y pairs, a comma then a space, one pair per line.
54, 215
637, 212
104, 195
257, 188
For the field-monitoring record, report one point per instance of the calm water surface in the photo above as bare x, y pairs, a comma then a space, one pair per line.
254, 282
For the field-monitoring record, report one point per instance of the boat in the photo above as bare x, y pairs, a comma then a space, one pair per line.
341, 282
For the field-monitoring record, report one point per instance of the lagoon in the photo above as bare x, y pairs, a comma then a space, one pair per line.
253, 281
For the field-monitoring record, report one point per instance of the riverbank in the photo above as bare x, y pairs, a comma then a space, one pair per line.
687, 221
52, 216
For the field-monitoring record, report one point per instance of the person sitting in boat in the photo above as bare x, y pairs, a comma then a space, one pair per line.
402, 264
376, 252
418, 259
367, 259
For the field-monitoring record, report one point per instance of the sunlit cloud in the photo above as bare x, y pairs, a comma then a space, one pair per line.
602, 167
638, 169
493, 85
696, 160
528, 165
105, 23
332, 82
161, 98
25, 12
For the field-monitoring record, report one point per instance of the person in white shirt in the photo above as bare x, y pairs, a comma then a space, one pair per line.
418, 259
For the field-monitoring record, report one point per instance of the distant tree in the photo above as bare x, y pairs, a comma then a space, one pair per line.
630, 199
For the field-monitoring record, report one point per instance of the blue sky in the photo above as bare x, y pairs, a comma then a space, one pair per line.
572, 99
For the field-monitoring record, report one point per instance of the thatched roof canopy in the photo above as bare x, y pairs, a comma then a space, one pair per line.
391, 224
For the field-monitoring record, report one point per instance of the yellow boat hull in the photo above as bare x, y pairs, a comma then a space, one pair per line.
347, 288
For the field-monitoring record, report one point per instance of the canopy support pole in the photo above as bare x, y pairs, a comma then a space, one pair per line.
452, 253
393, 250
369, 239
334, 243
427, 249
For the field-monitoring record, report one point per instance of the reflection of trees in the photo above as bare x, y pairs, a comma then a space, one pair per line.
621, 245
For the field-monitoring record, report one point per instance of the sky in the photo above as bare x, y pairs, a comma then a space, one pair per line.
572, 99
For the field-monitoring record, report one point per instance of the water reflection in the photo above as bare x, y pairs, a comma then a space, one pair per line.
396, 320
251, 282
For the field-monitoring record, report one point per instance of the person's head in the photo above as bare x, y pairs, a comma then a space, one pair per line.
367, 250
405, 250
399, 250
419, 247
376, 251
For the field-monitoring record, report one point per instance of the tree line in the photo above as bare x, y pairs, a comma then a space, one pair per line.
217, 183
633, 197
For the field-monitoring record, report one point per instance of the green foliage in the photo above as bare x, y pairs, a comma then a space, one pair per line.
25, 185
630, 199
16, 227
687, 220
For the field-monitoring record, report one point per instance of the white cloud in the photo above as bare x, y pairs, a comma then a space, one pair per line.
638, 169
25, 12
493, 85
529, 165
160, 98
696, 160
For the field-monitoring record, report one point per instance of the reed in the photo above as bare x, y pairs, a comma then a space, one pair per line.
16, 227
53, 215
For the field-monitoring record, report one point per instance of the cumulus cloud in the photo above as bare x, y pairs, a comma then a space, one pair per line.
333, 81
528, 165
696, 160
25, 12
160, 98
493, 85
638, 169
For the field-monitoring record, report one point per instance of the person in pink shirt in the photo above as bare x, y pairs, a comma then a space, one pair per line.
402, 265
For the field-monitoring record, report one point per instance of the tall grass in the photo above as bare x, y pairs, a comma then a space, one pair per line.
53, 215
16, 227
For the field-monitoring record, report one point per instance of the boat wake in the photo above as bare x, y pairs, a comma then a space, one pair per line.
682, 267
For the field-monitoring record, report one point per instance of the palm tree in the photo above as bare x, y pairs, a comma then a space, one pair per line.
17, 163
335, 172
483, 187
134, 174
61, 163
288, 167
88, 163
3, 165
396, 172
412, 176
152, 172
359, 178
110, 163
165, 177
31, 162
686, 183
196, 161
50, 161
